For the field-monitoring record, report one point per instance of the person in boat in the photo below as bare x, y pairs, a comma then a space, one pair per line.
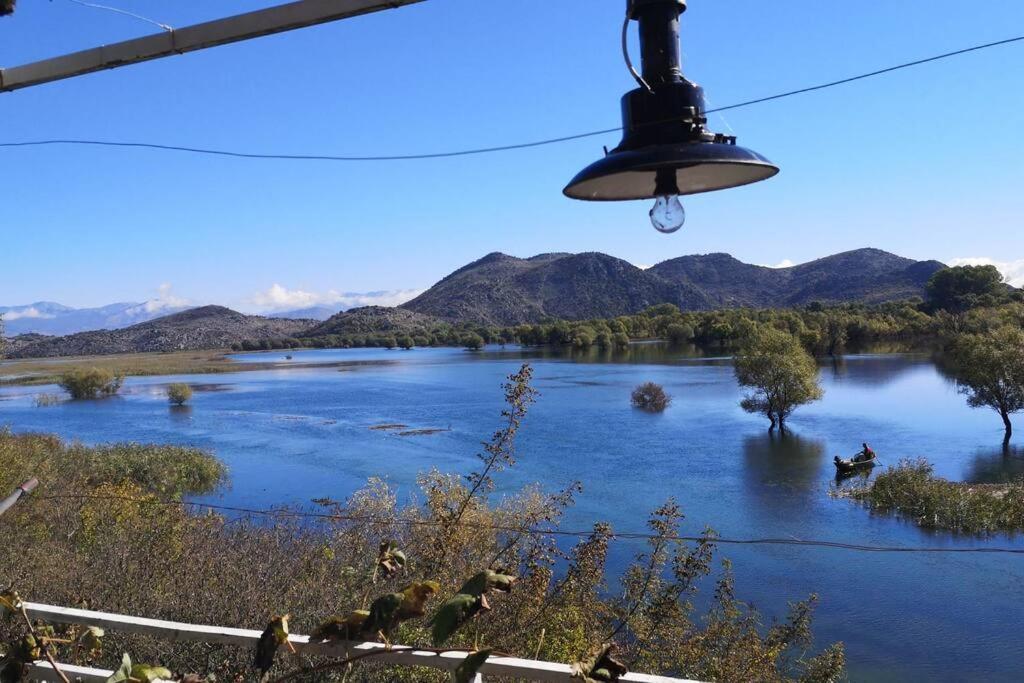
866, 454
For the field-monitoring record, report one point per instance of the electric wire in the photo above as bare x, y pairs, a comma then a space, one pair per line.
118, 10
498, 148
534, 531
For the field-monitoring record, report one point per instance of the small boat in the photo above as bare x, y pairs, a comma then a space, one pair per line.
851, 465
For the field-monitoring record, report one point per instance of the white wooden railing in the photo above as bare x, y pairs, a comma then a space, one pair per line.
511, 667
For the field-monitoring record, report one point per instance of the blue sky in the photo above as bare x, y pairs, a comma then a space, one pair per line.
925, 163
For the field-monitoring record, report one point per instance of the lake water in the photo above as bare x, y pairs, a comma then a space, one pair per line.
297, 433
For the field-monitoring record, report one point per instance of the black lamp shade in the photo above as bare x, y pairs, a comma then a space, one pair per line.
699, 167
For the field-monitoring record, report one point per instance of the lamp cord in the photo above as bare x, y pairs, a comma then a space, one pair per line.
629, 62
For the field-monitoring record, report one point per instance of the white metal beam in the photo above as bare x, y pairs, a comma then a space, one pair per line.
197, 37
512, 667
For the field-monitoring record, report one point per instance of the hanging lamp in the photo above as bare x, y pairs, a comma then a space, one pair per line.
666, 150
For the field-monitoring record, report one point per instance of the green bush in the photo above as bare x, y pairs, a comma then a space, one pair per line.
679, 334
912, 490
179, 393
86, 383
651, 397
170, 471
473, 341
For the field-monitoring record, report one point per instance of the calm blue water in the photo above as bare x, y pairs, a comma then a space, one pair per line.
298, 433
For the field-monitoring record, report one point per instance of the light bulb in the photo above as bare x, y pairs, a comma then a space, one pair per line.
667, 214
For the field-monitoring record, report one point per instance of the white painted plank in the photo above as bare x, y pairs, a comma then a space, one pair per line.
42, 671
254, 24
399, 655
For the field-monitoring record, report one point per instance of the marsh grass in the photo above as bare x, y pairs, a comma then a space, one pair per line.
49, 371
912, 490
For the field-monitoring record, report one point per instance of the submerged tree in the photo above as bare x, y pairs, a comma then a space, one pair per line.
650, 397
781, 373
990, 370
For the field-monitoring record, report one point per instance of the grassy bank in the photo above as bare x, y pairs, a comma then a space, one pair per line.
34, 372
48, 370
101, 529
912, 490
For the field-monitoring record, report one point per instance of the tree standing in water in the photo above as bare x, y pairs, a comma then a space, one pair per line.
990, 371
781, 373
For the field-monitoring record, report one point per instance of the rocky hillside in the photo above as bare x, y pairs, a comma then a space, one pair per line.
208, 327
504, 290
372, 320
863, 275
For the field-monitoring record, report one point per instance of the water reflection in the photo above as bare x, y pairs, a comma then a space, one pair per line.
997, 466
181, 414
839, 367
872, 370
637, 353
783, 461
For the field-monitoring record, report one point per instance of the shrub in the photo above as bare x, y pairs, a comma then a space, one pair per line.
473, 341
168, 471
680, 334
650, 396
179, 393
86, 383
912, 489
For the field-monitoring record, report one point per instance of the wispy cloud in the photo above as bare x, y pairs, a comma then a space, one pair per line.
165, 299
1013, 271
784, 263
279, 298
29, 312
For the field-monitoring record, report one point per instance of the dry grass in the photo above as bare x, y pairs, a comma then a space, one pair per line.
49, 370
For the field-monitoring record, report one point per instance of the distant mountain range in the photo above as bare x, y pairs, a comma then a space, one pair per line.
505, 290
47, 317
311, 313
206, 327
